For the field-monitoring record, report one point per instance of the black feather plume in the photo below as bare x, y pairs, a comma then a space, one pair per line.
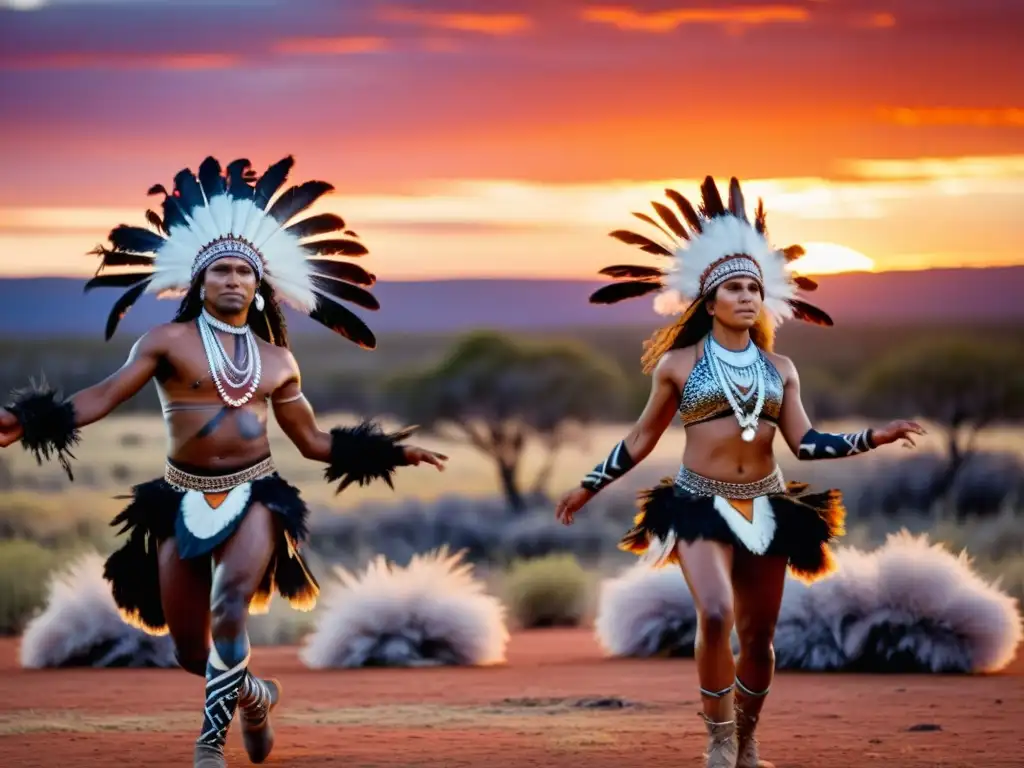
345, 292
121, 307
342, 270
271, 181
809, 313
670, 219
120, 280
365, 453
644, 217
156, 221
711, 200
345, 323
616, 292
121, 258
761, 218
736, 204
188, 191
805, 283
238, 179
210, 178
634, 271
296, 199
321, 224
632, 238
336, 248
135, 239
793, 252
686, 208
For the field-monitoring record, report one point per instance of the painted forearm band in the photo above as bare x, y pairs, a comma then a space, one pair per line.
834, 445
618, 463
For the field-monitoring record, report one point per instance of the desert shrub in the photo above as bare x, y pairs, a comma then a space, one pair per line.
552, 591
25, 568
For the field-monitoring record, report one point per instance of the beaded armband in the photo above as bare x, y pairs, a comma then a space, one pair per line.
834, 445
618, 463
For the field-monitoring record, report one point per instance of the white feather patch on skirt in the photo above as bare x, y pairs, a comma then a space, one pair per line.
204, 521
755, 534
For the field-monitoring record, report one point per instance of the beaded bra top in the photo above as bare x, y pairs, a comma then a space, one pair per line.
703, 399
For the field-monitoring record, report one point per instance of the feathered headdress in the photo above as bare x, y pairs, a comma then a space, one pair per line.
721, 244
235, 213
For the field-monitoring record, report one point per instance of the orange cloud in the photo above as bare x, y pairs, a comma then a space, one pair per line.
958, 116
108, 60
880, 21
329, 46
626, 18
484, 23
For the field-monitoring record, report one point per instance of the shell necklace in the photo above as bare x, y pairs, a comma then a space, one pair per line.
225, 373
740, 375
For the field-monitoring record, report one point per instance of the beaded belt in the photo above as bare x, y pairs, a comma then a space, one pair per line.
699, 485
185, 481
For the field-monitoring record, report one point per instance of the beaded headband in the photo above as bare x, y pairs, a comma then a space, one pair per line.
226, 246
727, 268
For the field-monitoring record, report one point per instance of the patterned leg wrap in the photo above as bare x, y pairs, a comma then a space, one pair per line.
747, 714
222, 688
255, 701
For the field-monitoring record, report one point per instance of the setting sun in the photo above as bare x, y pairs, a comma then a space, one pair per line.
829, 258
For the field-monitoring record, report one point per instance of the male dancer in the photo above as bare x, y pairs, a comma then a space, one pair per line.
217, 366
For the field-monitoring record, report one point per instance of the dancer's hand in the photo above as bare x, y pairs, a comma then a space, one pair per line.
898, 430
416, 456
572, 503
10, 428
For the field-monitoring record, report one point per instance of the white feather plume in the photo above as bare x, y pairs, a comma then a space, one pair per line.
284, 259
431, 612
724, 236
81, 626
908, 606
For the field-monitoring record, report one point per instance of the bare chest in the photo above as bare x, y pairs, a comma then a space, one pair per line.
187, 373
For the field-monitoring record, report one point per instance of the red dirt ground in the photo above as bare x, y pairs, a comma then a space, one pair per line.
521, 714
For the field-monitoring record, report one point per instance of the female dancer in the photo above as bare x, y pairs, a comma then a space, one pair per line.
728, 518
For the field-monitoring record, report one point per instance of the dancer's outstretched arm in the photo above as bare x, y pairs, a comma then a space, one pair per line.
48, 425
356, 454
641, 440
808, 444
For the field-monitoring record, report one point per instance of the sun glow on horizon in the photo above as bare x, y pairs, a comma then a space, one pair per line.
830, 258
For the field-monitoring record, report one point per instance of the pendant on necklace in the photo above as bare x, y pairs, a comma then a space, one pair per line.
748, 435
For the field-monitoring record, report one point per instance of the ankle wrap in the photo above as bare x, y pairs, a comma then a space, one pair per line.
747, 692
715, 694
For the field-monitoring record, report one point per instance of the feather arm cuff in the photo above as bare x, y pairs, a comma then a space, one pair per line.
364, 453
47, 423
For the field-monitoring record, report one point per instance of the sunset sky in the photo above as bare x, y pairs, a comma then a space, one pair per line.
501, 138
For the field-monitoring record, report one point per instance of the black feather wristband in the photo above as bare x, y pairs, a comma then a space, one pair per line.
47, 424
365, 453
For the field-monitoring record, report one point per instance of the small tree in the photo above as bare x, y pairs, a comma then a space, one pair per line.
498, 394
960, 386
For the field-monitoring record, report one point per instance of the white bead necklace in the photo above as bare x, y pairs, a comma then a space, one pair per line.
740, 375
222, 367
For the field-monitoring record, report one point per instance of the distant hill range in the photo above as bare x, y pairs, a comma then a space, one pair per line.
40, 307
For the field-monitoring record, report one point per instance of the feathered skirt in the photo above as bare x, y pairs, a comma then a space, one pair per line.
767, 517
201, 511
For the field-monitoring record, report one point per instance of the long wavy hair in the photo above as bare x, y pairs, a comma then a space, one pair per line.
269, 324
692, 326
